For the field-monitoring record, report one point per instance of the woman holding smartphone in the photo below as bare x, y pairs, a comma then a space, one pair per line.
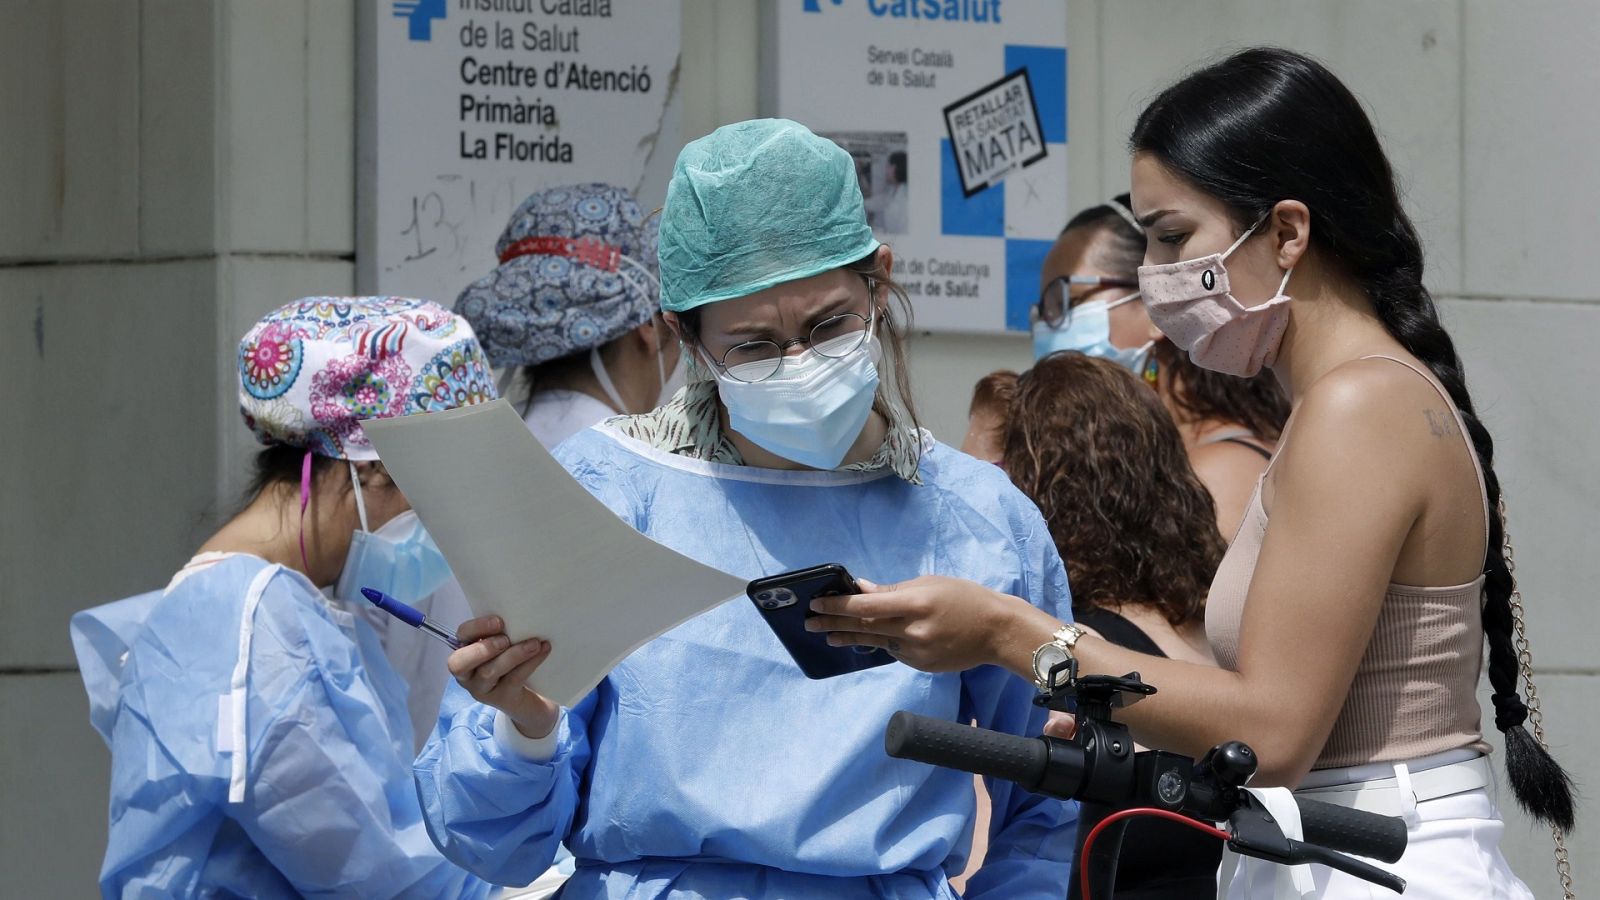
707, 764
1350, 612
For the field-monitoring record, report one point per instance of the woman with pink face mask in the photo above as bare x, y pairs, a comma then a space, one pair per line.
1090, 304
1350, 613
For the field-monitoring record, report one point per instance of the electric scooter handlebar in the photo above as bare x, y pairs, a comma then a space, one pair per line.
992, 754
1056, 767
1352, 830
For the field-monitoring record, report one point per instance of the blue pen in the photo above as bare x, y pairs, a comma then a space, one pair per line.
410, 615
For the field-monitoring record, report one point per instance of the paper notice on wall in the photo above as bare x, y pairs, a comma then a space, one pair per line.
466, 107
529, 544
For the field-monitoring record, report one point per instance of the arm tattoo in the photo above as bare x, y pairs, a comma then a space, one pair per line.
1440, 423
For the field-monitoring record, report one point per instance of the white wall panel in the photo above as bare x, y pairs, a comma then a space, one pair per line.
1546, 426
55, 776
330, 185
1532, 112
263, 124
177, 103
109, 454
69, 129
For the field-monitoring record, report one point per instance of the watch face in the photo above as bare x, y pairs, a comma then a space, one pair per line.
1046, 658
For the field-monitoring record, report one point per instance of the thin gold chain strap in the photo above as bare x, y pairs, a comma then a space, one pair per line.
1531, 695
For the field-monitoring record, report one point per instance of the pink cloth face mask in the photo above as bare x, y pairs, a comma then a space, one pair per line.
1190, 302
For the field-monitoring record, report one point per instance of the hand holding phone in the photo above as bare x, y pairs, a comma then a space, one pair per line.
784, 601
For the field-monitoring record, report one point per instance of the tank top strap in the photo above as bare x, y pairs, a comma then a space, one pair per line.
1461, 426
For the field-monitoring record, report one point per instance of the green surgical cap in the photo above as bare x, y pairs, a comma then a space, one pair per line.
754, 204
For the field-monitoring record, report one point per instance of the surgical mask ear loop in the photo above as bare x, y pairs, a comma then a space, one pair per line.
598, 366
702, 359
1287, 272
893, 404
642, 270
361, 507
595, 362
1148, 345
1242, 238
656, 328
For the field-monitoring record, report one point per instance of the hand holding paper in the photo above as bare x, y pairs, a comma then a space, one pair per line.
530, 545
496, 671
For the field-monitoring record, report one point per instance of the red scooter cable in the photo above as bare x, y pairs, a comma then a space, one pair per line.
1119, 815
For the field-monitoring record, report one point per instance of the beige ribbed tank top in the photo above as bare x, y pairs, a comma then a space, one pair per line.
1415, 691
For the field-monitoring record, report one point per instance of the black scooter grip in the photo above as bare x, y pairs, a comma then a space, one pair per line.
957, 746
1352, 830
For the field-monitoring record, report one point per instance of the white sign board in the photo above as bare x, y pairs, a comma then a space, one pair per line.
469, 106
956, 113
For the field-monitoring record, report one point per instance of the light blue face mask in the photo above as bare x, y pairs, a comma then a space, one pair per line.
812, 410
399, 559
1088, 331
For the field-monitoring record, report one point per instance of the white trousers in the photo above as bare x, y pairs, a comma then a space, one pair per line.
1452, 853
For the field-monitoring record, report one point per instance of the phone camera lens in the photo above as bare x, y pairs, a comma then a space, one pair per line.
775, 598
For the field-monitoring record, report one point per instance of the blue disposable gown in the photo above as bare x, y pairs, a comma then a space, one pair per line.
328, 804
707, 765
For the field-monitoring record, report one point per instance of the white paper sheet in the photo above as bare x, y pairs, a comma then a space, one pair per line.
530, 545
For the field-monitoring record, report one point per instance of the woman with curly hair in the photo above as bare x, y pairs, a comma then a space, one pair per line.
1105, 464
987, 415
1096, 450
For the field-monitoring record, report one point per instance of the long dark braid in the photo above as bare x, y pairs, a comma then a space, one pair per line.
1408, 312
1266, 125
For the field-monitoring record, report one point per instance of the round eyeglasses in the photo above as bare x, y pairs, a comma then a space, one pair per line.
834, 337
1055, 301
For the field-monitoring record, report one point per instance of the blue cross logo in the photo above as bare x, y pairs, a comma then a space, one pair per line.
421, 14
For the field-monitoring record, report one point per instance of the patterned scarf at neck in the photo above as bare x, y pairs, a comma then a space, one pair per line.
690, 425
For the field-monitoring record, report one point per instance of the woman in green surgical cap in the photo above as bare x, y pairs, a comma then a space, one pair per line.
707, 764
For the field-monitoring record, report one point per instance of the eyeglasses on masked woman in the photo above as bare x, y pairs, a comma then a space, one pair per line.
1056, 300
835, 337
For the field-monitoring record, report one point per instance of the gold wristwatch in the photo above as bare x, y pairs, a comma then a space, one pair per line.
1053, 653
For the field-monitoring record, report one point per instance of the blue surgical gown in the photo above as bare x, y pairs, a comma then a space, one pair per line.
707, 765
329, 805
